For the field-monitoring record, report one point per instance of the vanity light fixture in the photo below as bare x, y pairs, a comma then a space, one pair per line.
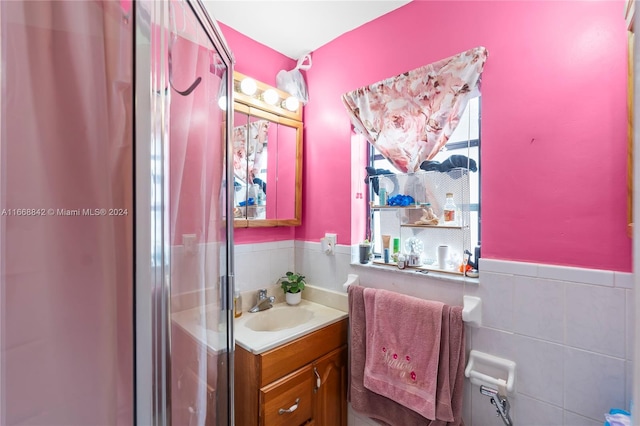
248, 86
256, 94
291, 103
270, 96
222, 103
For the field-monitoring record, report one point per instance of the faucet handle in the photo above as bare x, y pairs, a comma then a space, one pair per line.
262, 293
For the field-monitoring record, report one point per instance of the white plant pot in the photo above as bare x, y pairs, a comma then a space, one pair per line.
293, 298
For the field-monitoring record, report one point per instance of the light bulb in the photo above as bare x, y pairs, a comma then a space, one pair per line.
248, 86
222, 103
270, 96
291, 103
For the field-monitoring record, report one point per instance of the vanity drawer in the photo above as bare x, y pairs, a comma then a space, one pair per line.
293, 391
289, 357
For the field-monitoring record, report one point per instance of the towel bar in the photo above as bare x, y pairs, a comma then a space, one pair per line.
471, 311
351, 279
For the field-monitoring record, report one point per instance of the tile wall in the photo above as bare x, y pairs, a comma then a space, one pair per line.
262, 265
194, 274
568, 329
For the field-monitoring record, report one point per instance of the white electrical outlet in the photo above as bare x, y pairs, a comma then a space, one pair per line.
329, 243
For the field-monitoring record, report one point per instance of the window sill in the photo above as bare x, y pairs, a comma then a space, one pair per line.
441, 276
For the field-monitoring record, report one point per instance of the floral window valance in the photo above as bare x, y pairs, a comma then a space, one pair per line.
410, 117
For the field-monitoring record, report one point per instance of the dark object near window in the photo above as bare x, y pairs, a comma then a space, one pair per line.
450, 163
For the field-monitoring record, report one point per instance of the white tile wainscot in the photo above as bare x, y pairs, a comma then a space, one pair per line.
568, 329
261, 265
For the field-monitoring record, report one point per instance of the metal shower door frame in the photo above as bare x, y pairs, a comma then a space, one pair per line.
152, 276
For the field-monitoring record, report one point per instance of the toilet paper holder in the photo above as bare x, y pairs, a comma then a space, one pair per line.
501, 366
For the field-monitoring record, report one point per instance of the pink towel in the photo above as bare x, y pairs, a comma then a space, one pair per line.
363, 400
452, 363
403, 349
385, 410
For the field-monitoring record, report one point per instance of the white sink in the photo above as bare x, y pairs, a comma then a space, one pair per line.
279, 318
261, 331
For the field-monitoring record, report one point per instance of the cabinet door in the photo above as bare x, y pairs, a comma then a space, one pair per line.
330, 404
193, 396
288, 401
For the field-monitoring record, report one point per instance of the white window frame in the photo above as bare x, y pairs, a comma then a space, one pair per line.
465, 138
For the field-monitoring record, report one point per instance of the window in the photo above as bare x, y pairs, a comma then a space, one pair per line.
465, 140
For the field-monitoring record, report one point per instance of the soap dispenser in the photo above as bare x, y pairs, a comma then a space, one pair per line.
237, 304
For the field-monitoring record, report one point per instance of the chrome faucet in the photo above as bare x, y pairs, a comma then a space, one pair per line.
263, 302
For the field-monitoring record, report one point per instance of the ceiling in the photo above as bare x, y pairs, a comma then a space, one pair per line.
297, 27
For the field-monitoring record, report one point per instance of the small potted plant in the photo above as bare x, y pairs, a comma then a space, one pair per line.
292, 284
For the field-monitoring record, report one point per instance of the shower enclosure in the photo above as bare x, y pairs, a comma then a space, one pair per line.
115, 250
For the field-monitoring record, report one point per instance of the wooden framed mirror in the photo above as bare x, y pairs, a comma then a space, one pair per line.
267, 156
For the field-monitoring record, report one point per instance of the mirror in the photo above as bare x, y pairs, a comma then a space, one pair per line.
267, 156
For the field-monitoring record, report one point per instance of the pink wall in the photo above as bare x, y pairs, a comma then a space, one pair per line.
553, 122
262, 63
255, 59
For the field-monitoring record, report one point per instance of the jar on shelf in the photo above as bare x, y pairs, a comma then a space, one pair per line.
449, 210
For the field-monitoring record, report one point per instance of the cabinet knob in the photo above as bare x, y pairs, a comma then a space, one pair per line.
291, 409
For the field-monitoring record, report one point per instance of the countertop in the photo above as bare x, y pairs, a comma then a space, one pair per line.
198, 322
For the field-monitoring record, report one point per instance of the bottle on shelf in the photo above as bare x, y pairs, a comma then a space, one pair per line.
449, 210
383, 196
237, 304
401, 261
260, 197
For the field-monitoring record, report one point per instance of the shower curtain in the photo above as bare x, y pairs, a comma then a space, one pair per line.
66, 254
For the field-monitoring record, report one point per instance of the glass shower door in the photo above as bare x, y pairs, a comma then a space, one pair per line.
189, 272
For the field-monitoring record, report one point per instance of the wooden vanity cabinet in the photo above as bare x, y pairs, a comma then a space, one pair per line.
330, 404
188, 385
288, 401
280, 386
